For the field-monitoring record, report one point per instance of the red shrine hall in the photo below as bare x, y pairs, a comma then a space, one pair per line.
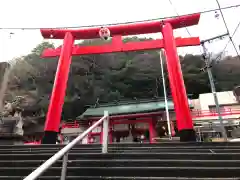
130, 121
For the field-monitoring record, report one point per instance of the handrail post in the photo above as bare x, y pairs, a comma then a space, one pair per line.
64, 166
48, 163
105, 132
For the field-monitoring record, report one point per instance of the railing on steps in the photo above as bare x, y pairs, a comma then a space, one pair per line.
64, 151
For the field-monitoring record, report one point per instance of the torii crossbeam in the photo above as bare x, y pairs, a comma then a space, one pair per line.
169, 43
118, 46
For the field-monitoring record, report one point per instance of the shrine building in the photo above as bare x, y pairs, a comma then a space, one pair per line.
130, 121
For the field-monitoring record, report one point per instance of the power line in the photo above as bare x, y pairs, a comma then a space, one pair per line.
112, 24
175, 9
225, 23
236, 29
220, 55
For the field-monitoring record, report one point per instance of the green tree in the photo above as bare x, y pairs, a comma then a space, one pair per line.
111, 77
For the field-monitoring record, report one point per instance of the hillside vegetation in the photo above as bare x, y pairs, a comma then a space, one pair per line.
110, 77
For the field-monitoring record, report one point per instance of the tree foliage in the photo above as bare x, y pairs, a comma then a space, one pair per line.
111, 77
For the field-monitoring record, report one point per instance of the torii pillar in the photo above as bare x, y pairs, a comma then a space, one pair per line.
169, 43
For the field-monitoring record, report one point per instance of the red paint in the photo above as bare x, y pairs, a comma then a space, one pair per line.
33, 143
101, 135
89, 135
146, 120
178, 88
121, 47
195, 114
173, 133
96, 133
183, 115
151, 131
116, 121
110, 135
38, 142
155, 134
92, 134
172, 78
88, 138
123, 29
58, 93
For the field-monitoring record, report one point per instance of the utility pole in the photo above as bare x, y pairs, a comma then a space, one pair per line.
211, 80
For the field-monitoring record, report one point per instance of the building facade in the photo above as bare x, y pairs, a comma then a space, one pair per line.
206, 117
130, 121
205, 108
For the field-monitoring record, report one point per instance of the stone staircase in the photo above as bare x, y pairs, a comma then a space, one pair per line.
127, 161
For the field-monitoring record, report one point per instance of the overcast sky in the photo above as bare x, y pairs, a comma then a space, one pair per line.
55, 13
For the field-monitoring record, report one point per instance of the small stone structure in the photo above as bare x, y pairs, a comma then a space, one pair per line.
11, 127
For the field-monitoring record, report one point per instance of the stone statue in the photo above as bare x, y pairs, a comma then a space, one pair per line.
11, 118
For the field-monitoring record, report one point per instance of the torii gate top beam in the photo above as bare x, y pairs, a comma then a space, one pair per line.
123, 29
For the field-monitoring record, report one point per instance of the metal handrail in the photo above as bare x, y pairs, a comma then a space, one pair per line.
64, 151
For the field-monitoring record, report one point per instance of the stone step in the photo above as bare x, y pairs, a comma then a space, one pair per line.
121, 150
126, 163
202, 172
133, 155
162, 144
37, 148
115, 178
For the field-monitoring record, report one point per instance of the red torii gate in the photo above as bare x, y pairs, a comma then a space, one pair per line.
169, 43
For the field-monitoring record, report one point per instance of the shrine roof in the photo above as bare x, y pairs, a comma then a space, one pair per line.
129, 107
